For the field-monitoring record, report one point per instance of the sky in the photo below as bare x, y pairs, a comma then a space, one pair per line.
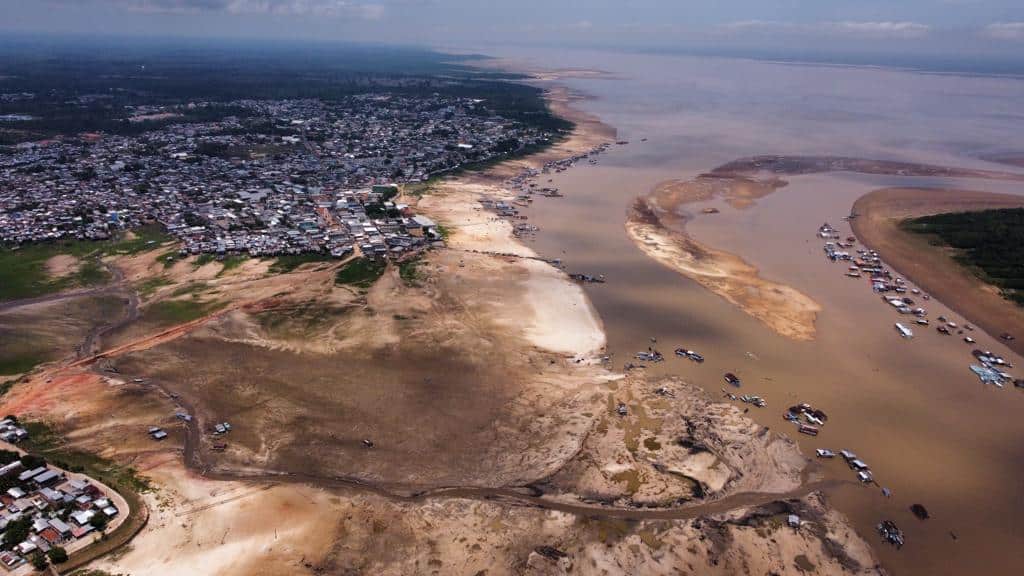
988, 27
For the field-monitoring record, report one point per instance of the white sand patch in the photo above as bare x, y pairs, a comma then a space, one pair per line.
563, 319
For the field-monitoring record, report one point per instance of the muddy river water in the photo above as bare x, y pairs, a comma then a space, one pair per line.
931, 432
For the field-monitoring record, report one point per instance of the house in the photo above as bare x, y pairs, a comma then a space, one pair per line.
48, 478
29, 474
82, 517
11, 560
11, 468
52, 537
63, 529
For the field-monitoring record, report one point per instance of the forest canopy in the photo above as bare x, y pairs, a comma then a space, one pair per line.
989, 241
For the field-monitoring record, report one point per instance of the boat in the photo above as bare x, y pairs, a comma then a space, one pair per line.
652, 356
865, 476
809, 430
943, 330
904, 331
825, 453
732, 379
691, 354
891, 533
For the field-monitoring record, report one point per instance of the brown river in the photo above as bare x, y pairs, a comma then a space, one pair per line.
931, 432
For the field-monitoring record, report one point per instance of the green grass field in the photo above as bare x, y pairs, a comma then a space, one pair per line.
285, 264
360, 272
23, 270
171, 312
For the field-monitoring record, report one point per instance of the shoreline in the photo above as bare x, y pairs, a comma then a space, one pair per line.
560, 320
877, 227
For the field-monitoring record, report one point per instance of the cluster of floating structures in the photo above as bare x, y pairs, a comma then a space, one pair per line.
890, 533
856, 464
747, 399
895, 291
808, 419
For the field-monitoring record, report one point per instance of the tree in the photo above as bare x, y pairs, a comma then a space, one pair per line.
58, 555
8, 456
30, 461
99, 522
38, 561
16, 532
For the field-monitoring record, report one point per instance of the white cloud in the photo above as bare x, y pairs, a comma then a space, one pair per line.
884, 29
581, 25
322, 8
1005, 30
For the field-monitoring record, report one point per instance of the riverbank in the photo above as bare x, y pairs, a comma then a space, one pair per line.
472, 428
877, 225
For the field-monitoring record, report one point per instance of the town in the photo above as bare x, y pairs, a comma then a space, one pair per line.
265, 178
45, 510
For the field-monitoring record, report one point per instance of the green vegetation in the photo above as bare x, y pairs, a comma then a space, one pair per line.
443, 231
147, 287
232, 262
57, 555
19, 363
203, 260
38, 561
420, 189
16, 532
168, 258
409, 271
361, 272
170, 312
6, 386
44, 442
288, 263
23, 271
990, 242
143, 239
193, 288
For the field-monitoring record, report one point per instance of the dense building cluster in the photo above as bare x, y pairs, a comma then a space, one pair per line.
43, 508
265, 177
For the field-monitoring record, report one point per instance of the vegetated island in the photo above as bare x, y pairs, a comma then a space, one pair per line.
961, 246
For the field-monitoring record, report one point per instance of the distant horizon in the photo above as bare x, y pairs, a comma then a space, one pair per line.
982, 29
974, 64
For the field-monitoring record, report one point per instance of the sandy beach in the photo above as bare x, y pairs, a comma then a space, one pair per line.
933, 268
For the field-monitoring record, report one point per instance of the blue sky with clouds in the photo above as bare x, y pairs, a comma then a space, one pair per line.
989, 26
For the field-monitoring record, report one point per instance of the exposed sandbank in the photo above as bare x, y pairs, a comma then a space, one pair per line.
657, 225
933, 268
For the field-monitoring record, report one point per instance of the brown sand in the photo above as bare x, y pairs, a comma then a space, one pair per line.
933, 268
657, 225
519, 310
